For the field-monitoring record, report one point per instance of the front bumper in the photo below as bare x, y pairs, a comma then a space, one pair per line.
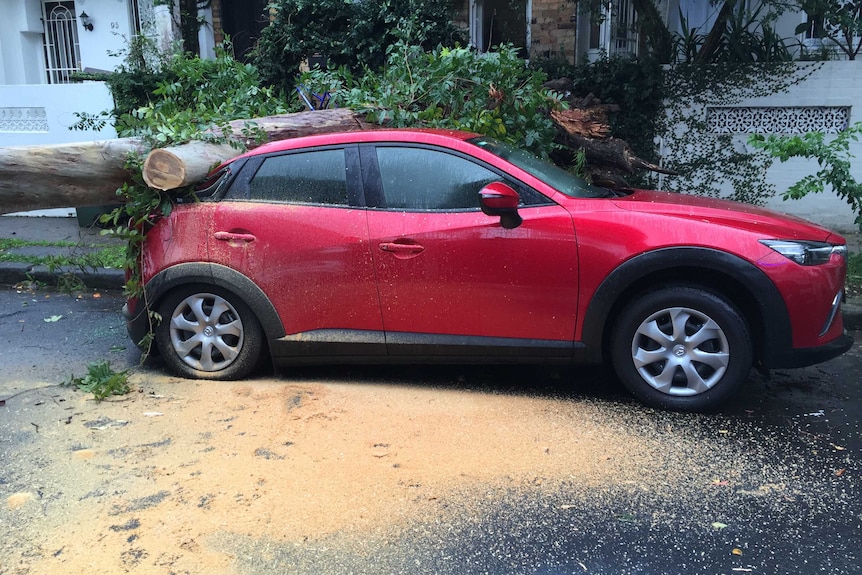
137, 322
804, 357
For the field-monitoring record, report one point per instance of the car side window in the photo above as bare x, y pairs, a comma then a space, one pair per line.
423, 179
316, 177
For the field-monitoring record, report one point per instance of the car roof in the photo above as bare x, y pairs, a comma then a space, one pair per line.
409, 135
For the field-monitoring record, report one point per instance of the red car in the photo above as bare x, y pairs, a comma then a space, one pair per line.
422, 246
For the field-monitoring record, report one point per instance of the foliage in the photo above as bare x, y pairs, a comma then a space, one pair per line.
493, 94
131, 84
352, 34
101, 380
635, 85
741, 32
108, 257
749, 35
197, 95
854, 271
839, 21
706, 160
833, 157
191, 21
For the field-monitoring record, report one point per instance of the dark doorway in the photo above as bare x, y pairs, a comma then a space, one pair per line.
243, 21
505, 21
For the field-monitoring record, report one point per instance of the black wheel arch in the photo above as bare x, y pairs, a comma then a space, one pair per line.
722, 273
224, 277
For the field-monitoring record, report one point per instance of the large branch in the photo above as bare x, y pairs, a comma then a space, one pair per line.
609, 152
89, 173
179, 166
286, 126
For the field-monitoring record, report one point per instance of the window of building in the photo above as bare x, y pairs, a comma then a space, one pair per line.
62, 54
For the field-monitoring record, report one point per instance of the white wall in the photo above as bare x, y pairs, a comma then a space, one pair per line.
835, 83
111, 31
33, 112
42, 114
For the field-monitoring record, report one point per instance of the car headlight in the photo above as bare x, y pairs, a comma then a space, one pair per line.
806, 253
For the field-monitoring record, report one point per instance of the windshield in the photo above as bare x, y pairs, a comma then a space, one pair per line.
558, 178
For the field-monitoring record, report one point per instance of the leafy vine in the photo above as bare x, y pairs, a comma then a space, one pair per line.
705, 161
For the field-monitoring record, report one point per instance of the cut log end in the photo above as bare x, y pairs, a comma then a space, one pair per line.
163, 170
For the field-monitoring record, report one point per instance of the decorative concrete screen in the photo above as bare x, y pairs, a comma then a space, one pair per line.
777, 119
23, 120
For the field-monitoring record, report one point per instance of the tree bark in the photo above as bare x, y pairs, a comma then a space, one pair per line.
81, 174
178, 166
295, 125
609, 153
89, 173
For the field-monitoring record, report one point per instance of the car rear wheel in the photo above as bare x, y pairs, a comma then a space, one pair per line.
682, 348
210, 333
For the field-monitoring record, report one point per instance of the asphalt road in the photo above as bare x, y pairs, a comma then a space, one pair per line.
45, 336
786, 496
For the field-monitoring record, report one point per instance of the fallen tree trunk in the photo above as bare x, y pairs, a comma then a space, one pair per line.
178, 166
610, 153
185, 164
62, 175
295, 125
89, 173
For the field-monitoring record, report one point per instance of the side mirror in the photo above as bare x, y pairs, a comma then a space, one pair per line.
498, 199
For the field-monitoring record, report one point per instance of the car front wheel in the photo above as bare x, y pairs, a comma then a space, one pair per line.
206, 332
681, 348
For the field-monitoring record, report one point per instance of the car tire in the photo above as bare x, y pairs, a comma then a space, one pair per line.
208, 333
681, 348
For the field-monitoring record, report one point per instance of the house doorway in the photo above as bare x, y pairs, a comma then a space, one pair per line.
243, 21
495, 22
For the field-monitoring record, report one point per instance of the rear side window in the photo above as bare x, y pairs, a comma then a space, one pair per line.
316, 177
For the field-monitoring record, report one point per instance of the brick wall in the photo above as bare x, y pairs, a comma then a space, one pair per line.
552, 30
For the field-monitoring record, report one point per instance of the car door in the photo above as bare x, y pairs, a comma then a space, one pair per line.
452, 280
292, 222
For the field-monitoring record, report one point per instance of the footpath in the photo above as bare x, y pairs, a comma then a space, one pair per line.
82, 240
85, 239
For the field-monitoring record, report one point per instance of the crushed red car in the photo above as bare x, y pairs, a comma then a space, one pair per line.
430, 246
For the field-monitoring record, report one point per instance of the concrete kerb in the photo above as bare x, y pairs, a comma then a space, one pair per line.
13, 273
53, 229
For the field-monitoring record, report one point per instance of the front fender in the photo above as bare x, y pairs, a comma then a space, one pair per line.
728, 275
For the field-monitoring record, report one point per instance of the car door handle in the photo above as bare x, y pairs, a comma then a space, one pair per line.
234, 237
402, 249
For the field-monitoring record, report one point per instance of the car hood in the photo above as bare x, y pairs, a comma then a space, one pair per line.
724, 212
